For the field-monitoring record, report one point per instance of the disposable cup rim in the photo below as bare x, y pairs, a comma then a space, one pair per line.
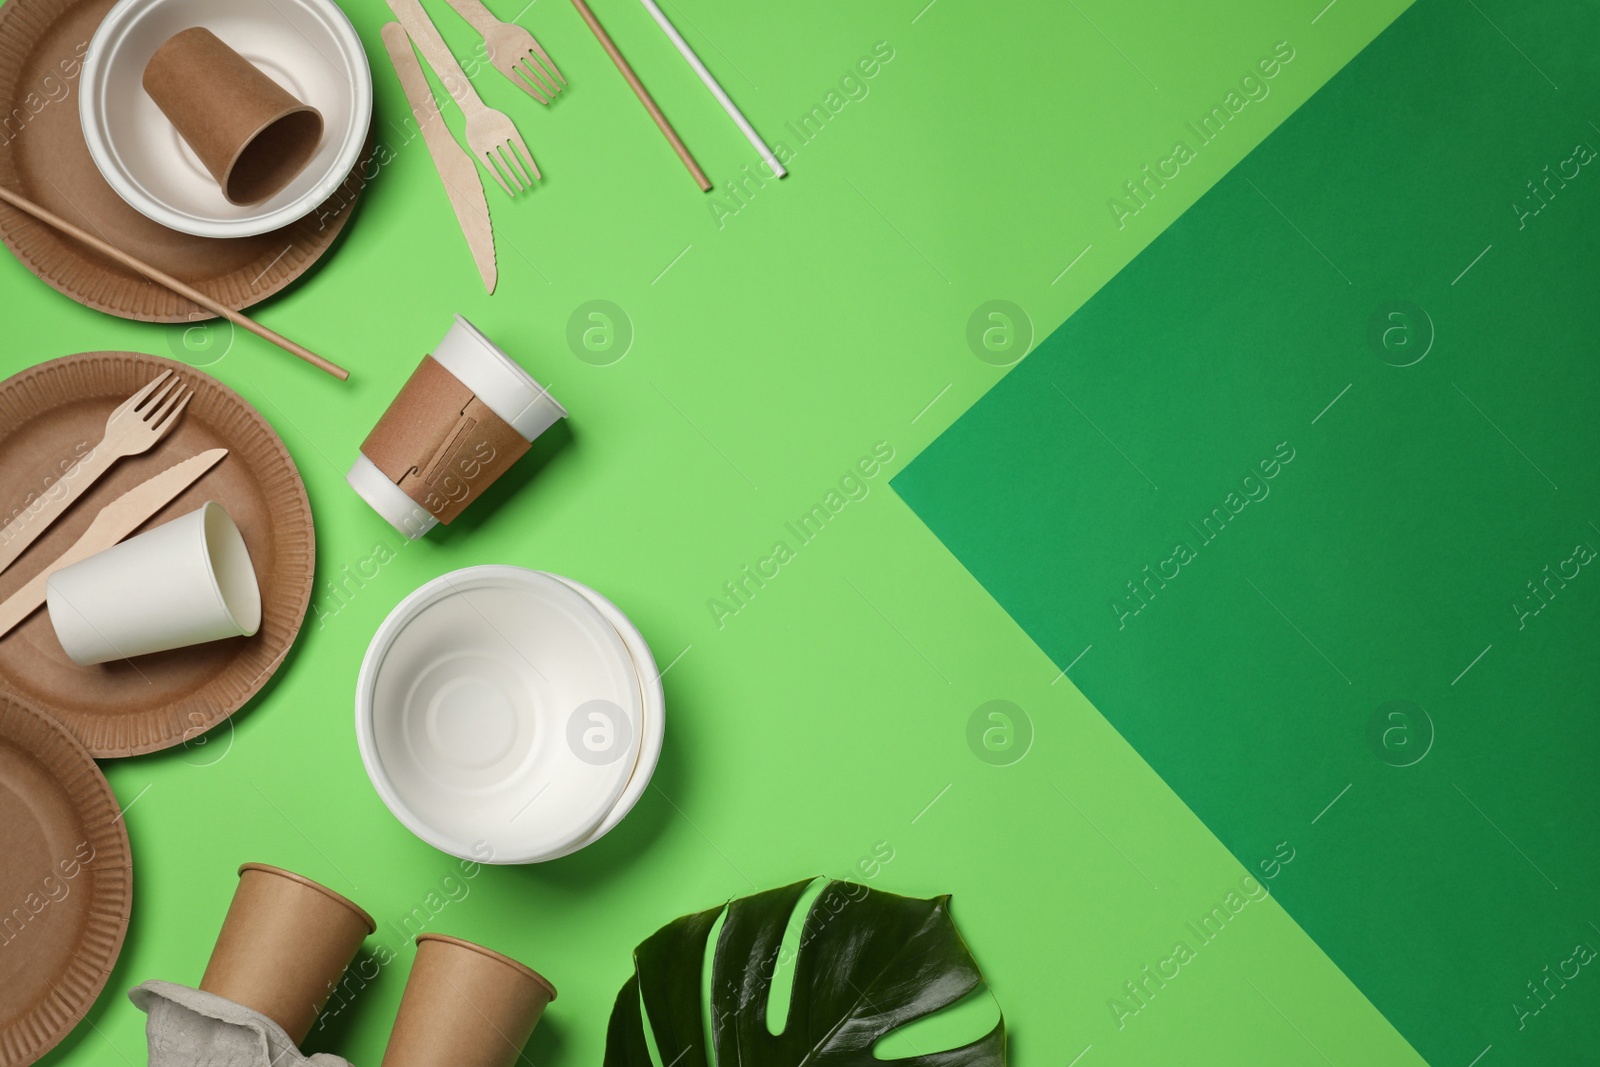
267, 868
498, 957
206, 511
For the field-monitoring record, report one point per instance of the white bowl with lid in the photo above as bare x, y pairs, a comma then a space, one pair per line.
655, 715
497, 706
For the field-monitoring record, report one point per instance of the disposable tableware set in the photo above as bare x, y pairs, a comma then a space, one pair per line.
183, 583
492, 137
504, 715
157, 549
209, 131
281, 954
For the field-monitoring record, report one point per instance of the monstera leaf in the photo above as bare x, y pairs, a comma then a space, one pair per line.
868, 962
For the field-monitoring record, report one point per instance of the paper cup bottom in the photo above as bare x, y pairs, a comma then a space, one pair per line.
389, 500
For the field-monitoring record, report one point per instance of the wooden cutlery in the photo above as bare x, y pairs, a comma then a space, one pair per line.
491, 135
460, 177
115, 521
137, 425
514, 52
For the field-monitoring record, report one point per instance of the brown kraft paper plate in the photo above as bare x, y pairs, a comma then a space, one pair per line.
50, 414
66, 882
43, 157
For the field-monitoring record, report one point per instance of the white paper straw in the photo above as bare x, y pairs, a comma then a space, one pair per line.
716, 90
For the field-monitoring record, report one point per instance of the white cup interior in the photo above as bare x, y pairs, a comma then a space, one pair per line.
231, 567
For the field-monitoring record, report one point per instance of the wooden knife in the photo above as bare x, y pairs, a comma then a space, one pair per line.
456, 169
116, 520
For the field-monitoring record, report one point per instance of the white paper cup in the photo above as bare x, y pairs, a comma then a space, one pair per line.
420, 417
186, 582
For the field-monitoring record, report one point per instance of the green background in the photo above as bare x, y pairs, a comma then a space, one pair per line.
1354, 655
770, 353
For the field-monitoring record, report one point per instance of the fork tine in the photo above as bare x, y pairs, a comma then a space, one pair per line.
509, 160
488, 160
524, 182
154, 401
514, 175
165, 424
159, 412
138, 398
520, 145
548, 62
530, 61
532, 86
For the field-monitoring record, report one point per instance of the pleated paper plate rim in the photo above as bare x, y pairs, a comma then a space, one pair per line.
284, 599
88, 965
95, 282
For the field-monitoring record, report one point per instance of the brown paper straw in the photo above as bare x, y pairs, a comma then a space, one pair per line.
643, 95
106, 248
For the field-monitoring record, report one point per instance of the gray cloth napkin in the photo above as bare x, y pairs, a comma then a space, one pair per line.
190, 1028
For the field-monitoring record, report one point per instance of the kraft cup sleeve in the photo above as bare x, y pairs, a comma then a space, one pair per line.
252, 135
465, 1005
183, 583
440, 444
284, 946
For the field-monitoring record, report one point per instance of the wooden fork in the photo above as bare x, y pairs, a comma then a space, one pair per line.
514, 52
136, 426
491, 135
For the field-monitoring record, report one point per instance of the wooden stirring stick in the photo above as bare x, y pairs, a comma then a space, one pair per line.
643, 95
28, 207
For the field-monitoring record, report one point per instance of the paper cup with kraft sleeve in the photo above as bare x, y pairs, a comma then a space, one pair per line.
249, 132
467, 413
284, 946
465, 1005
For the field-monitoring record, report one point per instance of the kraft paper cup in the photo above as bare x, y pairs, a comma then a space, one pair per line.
465, 1005
284, 946
186, 582
467, 413
249, 132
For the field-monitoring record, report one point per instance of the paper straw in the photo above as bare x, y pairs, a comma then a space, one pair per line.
643, 94
716, 90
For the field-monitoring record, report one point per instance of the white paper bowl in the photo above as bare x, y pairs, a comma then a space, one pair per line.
306, 46
476, 714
